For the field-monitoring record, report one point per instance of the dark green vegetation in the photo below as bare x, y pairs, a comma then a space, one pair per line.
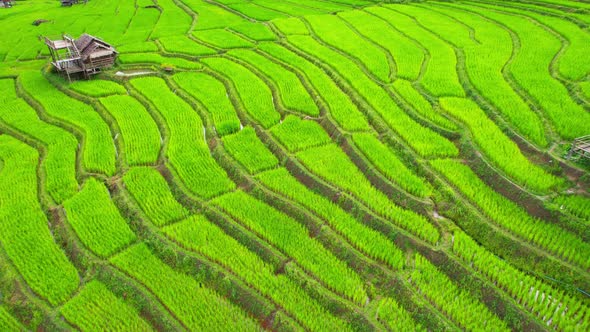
309, 165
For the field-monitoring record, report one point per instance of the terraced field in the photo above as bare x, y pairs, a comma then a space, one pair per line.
317, 165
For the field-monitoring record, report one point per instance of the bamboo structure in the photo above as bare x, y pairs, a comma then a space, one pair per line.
580, 147
86, 55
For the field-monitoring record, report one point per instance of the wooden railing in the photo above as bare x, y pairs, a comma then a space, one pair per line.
581, 147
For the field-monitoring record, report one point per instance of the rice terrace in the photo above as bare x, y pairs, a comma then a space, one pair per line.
294, 165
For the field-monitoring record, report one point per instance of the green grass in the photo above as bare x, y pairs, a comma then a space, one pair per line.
330, 163
97, 221
8, 322
291, 9
254, 94
290, 26
202, 236
222, 38
9, 89
98, 152
98, 88
297, 134
249, 151
486, 72
173, 20
572, 65
390, 165
549, 307
421, 139
421, 105
395, 317
585, 87
139, 132
323, 6
340, 106
255, 31
407, 54
142, 23
27, 240
537, 50
59, 164
440, 77
290, 89
212, 94
292, 238
139, 47
151, 192
514, 218
332, 30
369, 241
96, 308
496, 146
256, 12
185, 45
287, 95
178, 292
157, 59
187, 151
577, 205
459, 304
211, 16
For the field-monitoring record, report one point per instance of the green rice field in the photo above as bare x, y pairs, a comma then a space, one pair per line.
297, 165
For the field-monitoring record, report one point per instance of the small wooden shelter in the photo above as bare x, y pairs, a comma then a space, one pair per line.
86, 55
68, 3
580, 147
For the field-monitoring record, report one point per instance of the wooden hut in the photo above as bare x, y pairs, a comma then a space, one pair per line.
86, 55
68, 3
580, 147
